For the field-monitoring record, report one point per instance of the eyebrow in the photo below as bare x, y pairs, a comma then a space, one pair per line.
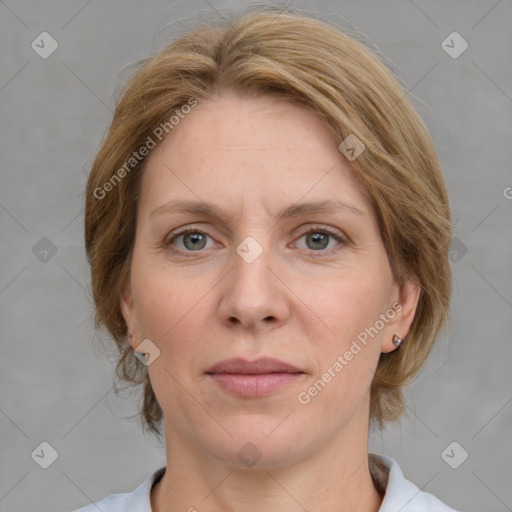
291, 211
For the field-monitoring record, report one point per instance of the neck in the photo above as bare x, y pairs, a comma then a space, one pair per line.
335, 478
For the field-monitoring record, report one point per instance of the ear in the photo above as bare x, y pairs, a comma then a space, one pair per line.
128, 312
407, 298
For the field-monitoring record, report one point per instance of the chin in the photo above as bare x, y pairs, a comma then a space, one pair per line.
256, 443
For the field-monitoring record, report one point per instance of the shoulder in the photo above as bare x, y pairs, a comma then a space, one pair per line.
400, 493
138, 500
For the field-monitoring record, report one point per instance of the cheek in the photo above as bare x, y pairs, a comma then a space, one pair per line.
348, 340
170, 308
350, 303
346, 356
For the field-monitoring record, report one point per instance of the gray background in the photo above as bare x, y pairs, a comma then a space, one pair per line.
56, 375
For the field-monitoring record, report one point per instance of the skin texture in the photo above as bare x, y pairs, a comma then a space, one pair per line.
303, 301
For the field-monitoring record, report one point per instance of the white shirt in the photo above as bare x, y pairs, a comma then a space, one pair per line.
400, 494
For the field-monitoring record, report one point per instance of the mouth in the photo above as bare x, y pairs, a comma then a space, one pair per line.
252, 379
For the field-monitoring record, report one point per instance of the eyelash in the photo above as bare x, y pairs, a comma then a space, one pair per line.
315, 229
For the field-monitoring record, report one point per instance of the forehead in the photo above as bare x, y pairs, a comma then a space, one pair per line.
249, 150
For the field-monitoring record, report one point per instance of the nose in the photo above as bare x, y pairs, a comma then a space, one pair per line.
254, 295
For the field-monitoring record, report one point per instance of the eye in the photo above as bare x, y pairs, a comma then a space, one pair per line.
318, 239
190, 240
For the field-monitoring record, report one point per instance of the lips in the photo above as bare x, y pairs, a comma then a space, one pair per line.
261, 366
254, 379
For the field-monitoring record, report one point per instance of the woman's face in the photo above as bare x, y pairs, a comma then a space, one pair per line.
282, 259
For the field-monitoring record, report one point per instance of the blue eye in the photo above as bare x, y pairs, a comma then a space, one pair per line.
319, 239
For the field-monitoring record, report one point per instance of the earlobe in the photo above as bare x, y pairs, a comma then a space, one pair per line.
408, 298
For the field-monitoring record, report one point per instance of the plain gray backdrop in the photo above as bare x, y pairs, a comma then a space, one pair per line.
56, 379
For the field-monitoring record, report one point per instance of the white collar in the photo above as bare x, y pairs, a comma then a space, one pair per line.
401, 495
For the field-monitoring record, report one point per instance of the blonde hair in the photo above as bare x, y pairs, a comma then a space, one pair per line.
295, 57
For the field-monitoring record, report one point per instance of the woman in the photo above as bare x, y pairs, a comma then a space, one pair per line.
267, 228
